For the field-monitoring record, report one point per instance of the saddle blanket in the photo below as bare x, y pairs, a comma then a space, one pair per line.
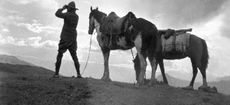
177, 43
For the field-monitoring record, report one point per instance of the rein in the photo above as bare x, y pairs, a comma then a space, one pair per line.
87, 60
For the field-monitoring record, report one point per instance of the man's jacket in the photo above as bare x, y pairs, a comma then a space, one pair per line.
69, 31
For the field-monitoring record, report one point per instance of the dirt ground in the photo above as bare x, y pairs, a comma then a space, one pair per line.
26, 85
115, 93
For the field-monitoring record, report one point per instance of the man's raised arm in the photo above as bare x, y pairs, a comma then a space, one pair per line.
59, 12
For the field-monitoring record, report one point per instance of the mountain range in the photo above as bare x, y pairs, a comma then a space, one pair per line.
8, 59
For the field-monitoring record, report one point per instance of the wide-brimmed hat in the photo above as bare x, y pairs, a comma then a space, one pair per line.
72, 5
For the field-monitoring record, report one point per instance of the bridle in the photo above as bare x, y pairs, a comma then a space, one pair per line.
91, 26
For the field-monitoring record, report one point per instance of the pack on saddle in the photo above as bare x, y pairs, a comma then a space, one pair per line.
113, 26
174, 42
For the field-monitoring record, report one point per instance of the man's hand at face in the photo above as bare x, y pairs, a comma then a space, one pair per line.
64, 7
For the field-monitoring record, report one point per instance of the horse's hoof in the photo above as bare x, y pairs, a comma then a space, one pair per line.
202, 87
106, 79
165, 83
140, 83
188, 88
137, 85
152, 82
208, 89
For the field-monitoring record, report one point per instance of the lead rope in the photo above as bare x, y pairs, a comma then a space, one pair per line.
87, 60
132, 54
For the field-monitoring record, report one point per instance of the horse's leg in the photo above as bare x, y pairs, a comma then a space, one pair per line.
106, 53
194, 67
203, 73
204, 63
143, 63
161, 64
153, 63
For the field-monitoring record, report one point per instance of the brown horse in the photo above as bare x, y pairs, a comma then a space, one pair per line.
144, 35
197, 51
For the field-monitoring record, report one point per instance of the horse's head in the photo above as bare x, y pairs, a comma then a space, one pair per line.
91, 20
95, 15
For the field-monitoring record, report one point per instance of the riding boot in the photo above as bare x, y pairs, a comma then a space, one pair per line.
76, 63
58, 63
77, 67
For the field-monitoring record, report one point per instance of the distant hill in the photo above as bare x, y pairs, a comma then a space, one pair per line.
29, 85
188, 75
221, 85
224, 78
24, 70
8, 59
173, 81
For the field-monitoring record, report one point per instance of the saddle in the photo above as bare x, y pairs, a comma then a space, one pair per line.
170, 32
112, 24
175, 42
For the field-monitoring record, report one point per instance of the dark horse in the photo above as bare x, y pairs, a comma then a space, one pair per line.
143, 35
197, 51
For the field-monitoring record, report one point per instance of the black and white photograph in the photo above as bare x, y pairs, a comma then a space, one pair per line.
114, 52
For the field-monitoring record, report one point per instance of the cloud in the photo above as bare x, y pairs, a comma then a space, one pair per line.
178, 13
35, 42
5, 39
24, 2
38, 43
41, 10
226, 20
37, 16
37, 27
34, 27
43, 3
5, 30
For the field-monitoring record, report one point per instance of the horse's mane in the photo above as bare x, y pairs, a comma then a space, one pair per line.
128, 15
142, 24
98, 15
131, 14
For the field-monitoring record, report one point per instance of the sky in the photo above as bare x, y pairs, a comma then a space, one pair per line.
30, 28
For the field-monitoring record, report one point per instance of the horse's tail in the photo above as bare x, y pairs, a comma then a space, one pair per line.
205, 55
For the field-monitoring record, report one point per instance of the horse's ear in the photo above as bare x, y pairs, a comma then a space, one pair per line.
91, 8
97, 8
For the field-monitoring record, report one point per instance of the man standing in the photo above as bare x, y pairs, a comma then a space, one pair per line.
68, 37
